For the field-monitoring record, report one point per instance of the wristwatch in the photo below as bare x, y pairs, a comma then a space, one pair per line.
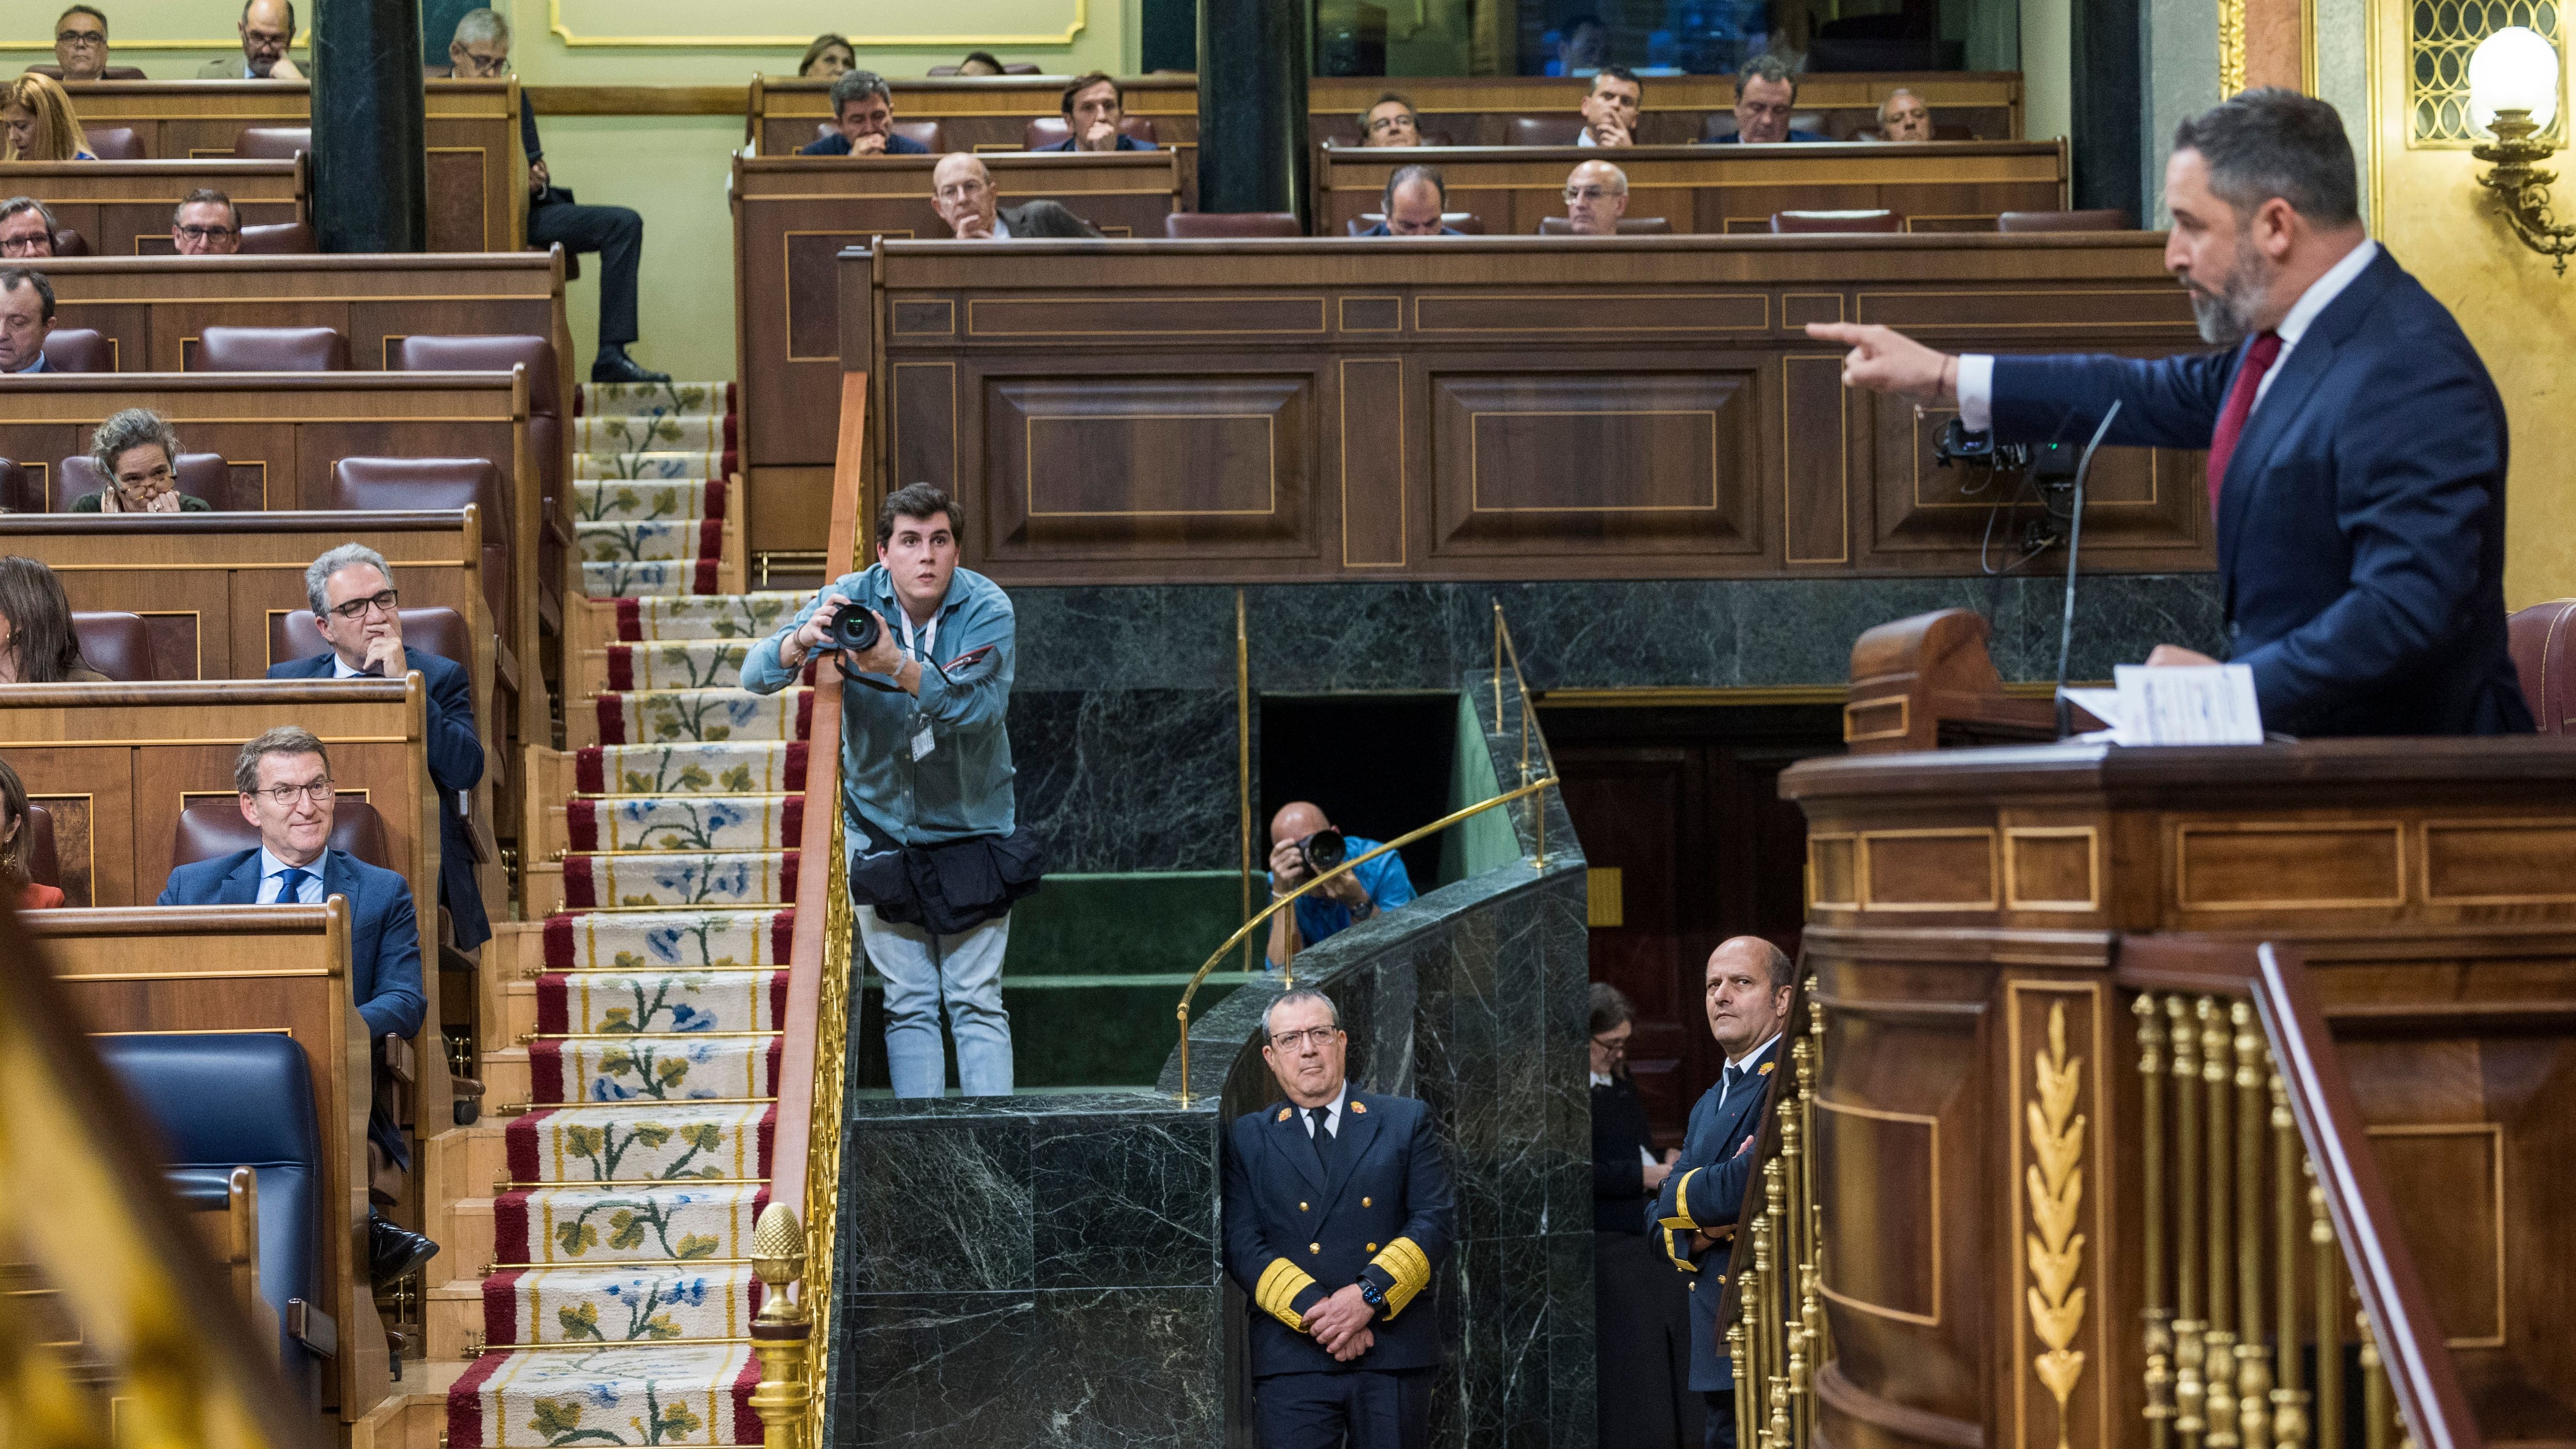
1372, 1296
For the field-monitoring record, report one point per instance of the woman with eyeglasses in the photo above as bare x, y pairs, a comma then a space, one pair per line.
15, 838
37, 122
1641, 1305
37, 645
140, 456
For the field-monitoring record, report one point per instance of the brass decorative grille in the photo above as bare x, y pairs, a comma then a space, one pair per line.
2440, 34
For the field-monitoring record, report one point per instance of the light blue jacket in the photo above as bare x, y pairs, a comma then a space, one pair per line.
962, 787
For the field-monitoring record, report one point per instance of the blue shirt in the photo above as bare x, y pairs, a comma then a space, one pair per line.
962, 786
837, 144
1319, 915
272, 881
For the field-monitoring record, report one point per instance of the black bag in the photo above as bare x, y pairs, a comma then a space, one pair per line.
950, 888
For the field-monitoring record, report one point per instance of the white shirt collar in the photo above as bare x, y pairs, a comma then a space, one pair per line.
1601, 1079
340, 668
270, 866
1584, 138
2322, 292
1001, 228
1747, 1060
1332, 1114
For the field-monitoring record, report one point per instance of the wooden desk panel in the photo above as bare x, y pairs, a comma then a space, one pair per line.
478, 197
1718, 190
1478, 409
124, 207
1476, 110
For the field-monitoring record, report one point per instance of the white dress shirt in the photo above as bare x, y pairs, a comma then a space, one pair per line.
1745, 1060
1332, 1115
272, 880
1977, 370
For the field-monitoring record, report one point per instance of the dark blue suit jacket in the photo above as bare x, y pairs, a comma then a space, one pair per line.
384, 945
2361, 524
839, 145
1380, 230
1705, 1190
1295, 1235
1125, 143
1793, 136
455, 766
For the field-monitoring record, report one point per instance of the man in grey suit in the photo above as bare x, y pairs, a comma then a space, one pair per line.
961, 190
267, 30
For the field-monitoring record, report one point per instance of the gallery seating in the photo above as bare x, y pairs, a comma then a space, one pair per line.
116, 644
272, 349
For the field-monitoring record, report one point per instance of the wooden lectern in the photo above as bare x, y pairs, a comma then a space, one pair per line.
1927, 682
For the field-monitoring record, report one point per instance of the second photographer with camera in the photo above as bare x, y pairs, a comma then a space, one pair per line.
935, 850
1303, 845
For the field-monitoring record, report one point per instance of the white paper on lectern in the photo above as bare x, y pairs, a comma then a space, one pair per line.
2189, 705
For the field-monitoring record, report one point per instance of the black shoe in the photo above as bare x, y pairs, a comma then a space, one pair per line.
613, 365
394, 1253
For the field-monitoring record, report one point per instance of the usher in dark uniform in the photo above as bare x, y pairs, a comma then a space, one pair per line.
1704, 1191
1371, 1206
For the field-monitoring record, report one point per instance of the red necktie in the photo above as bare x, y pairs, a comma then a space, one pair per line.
2240, 402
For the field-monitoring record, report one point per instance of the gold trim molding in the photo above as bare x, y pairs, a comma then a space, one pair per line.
555, 23
2054, 1182
2231, 47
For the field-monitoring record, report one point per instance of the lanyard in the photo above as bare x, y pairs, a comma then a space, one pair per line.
929, 633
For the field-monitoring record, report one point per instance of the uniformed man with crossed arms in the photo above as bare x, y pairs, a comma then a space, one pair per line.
1748, 1006
1337, 1212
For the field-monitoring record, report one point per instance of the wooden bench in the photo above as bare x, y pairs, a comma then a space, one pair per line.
123, 207
478, 194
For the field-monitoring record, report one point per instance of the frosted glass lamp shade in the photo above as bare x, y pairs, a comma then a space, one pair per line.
2515, 69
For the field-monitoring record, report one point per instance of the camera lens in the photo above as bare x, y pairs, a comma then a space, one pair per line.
1322, 851
854, 628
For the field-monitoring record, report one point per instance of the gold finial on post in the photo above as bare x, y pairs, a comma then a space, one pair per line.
781, 1334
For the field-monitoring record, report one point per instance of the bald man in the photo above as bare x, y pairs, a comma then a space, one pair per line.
1596, 196
1341, 902
962, 192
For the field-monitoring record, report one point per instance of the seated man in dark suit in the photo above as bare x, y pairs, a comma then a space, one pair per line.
284, 778
1337, 1212
1596, 196
961, 190
1415, 199
26, 230
1765, 94
863, 121
1094, 109
352, 594
26, 319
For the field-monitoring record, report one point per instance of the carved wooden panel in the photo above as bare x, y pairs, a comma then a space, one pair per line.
2288, 866
1373, 444
1928, 870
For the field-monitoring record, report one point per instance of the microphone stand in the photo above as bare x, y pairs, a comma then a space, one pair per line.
2074, 546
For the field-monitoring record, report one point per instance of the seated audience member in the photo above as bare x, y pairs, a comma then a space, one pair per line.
1340, 903
1610, 108
14, 840
37, 642
863, 117
1904, 117
352, 593
1391, 122
80, 43
37, 123
26, 320
267, 30
829, 58
1596, 196
1583, 47
284, 779
205, 224
140, 456
961, 191
1094, 109
1413, 202
980, 62
1765, 94
26, 229
481, 51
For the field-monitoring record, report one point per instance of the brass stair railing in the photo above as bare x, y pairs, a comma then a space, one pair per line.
1776, 1332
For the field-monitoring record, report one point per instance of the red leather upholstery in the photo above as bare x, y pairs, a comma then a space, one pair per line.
2542, 640
1465, 221
402, 483
1542, 130
928, 133
435, 630
2105, 219
272, 143
272, 349
113, 143
201, 475
209, 828
499, 352
116, 645
1045, 131
79, 349
43, 859
279, 239
1187, 225
70, 243
1787, 222
1628, 226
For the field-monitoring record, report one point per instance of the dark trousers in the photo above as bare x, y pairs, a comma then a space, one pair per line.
1641, 1347
614, 232
1721, 1419
1358, 1409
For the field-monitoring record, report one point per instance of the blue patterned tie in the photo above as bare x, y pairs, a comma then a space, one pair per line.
290, 885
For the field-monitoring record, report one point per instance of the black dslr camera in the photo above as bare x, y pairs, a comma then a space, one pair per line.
854, 628
1322, 851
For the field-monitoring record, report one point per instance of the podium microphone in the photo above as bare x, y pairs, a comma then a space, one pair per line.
2074, 547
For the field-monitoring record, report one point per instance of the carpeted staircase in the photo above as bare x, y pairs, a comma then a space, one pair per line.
605, 1294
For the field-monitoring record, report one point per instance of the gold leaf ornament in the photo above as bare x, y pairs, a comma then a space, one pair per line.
2053, 1183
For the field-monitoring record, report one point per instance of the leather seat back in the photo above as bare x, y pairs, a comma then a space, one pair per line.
928, 133
1044, 131
431, 630
43, 858
272, 349
409, 483
105, 73
279, 239
1800, 222
272, 143
1628, 226
116, 645
213, 827
1186, 225
499, 352
1542, 130
18, 493
244, 1099
201, 475
2542, 640
68, 242
114, 143
2103, 219
79, 349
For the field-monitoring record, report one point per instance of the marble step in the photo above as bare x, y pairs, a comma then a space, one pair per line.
676, 1069
648, 500
671, 1395
682, 941
686, 822
641, 1144
672, 716
601, 1003
654, 399
676, 879
619, 1303
717, 767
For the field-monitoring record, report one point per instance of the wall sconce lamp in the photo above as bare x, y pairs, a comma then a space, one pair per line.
2513, 95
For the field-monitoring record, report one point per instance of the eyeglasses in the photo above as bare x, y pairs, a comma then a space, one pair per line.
1588, 193
961, 190
1616, 1046
1389, 123
37, 244
80, 37
1289, 1041
208, 233
285, 796
357, 609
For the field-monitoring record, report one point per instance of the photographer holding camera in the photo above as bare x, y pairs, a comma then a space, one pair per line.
935, 851
1303, 845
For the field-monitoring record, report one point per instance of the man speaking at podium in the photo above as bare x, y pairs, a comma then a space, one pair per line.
2356, 445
